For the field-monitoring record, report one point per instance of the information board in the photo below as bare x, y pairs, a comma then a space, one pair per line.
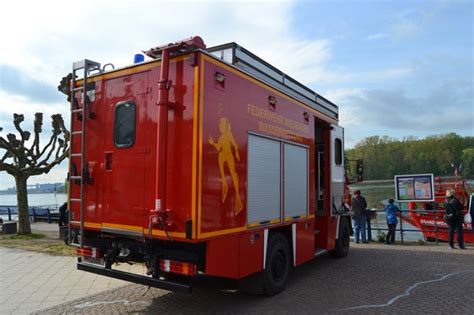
419, 187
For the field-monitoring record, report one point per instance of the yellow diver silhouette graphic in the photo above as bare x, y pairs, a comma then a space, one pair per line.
223, 146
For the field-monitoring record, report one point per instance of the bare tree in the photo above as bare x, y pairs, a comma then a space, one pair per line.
22, 160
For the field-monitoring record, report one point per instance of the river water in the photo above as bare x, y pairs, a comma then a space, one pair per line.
55, 200
51, 200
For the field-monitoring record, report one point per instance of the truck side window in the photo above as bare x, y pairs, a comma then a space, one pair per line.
125, 124
337, 151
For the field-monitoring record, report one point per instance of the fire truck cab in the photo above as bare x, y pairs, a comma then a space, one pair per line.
203, 161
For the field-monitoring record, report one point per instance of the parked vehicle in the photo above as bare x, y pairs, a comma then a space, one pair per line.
203, 161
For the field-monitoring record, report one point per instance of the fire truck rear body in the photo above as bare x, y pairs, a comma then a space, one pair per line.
250, 153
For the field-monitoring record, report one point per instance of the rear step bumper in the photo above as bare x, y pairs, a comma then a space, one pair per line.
162, 284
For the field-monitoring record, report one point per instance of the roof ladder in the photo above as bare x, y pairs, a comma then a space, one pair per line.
78, 111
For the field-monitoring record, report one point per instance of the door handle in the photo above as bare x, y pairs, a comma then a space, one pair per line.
108, 161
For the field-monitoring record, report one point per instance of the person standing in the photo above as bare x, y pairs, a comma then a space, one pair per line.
359, 218
63, 220
454, 218
391, 212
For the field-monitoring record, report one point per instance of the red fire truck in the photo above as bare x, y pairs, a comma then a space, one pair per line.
202, 161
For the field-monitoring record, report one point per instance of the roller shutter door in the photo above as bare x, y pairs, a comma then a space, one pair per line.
263, 184
295, 181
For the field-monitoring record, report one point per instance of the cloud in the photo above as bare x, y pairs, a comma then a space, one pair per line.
405, 29
265, 29
16, 82
115, 30
107, 38
378, 36
306, 61
397, 112
383, 74
10, 104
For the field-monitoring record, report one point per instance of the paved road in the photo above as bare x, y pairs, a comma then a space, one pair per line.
373, 279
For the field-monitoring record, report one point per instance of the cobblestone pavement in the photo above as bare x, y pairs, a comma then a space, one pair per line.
373, 279
32, 281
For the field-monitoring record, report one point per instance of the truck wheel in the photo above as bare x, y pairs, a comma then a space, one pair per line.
278, 265
342, 243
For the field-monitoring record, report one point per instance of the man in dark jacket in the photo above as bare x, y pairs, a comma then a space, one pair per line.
454, 218
359, 206
63, 220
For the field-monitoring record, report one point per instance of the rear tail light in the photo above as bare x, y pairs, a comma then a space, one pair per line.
88, 251
179, 267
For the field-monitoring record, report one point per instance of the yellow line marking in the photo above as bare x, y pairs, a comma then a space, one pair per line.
201, 106
269, 88
296, 218
259, 223
194, 159
92, 225
129, 70
163, 233
223, 232
132, 228
122, 227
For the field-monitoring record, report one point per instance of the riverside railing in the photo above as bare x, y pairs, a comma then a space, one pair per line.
35, 213
431, 214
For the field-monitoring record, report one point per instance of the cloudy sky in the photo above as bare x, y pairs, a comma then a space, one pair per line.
396, 68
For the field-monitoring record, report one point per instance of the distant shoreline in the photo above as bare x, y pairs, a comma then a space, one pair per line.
2, 193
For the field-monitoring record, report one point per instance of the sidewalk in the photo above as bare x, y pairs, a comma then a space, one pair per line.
32, 281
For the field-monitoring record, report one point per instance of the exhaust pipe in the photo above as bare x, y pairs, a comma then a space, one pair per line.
160, 213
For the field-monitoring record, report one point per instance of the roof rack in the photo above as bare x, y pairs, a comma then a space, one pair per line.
250, 63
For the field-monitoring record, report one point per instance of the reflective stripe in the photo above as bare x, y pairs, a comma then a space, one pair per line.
337, 226
265, 241
166, 265
293, 239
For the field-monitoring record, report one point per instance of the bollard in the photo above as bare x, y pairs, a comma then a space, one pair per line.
401, 225
369, 229
9, 214
435, 223
49, 216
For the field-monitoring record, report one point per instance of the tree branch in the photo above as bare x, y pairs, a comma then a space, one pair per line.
10, 169
45, 161
5, 156
28, 161
38, 123
25, 135
11, 145
46, 169
38, 156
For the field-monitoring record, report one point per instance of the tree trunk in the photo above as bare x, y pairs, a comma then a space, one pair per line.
24, 226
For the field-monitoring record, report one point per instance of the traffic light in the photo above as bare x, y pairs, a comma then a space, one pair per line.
360, 170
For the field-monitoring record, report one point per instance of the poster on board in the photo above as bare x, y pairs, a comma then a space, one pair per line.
419, 187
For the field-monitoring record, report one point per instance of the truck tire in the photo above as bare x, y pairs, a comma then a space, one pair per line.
342, 243
278, 265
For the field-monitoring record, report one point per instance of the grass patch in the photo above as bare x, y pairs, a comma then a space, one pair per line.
59, 250
27, 237
42, 243
381, 237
